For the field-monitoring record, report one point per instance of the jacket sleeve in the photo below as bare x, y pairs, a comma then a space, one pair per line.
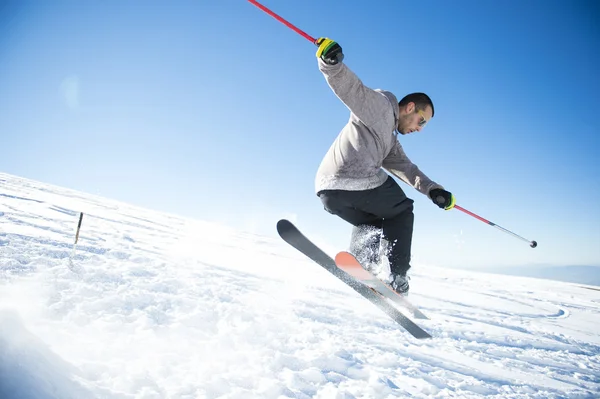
370, 106
400, 166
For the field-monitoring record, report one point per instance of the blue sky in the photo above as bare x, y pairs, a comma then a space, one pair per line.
216, 111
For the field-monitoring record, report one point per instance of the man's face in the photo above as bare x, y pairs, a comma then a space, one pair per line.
413, 120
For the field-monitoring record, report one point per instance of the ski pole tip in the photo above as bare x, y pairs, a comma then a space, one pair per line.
533, 244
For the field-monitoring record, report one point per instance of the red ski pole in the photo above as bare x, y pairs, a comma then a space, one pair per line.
532, 244
283, 21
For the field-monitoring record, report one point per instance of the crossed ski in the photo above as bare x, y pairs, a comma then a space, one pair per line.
350, 272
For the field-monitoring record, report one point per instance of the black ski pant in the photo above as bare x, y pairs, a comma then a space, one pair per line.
381, 212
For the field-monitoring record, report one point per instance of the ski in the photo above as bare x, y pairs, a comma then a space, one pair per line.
348, 263
290, 234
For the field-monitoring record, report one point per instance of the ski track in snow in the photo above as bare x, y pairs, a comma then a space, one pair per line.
157, 306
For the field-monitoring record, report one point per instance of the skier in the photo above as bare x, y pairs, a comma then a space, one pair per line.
351, 181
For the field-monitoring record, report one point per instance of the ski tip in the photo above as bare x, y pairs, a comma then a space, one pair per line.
347, 262
283, 223
344, 257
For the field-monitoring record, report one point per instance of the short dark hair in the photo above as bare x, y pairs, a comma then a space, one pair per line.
421, 101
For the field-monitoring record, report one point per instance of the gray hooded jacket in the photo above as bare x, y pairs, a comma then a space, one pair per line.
368, 142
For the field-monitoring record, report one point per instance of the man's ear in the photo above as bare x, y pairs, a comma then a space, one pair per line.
408, 108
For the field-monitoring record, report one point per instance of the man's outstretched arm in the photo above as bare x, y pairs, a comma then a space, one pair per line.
370, 106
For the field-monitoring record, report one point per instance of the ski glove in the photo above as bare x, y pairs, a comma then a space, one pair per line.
329, 51
442, 198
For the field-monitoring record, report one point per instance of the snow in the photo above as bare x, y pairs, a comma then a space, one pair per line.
157, 306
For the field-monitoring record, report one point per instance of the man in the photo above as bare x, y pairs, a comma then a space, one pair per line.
351, 181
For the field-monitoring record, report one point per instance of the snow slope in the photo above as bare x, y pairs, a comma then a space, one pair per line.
157, 306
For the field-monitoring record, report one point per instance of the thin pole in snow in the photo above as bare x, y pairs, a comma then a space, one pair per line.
72, 267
